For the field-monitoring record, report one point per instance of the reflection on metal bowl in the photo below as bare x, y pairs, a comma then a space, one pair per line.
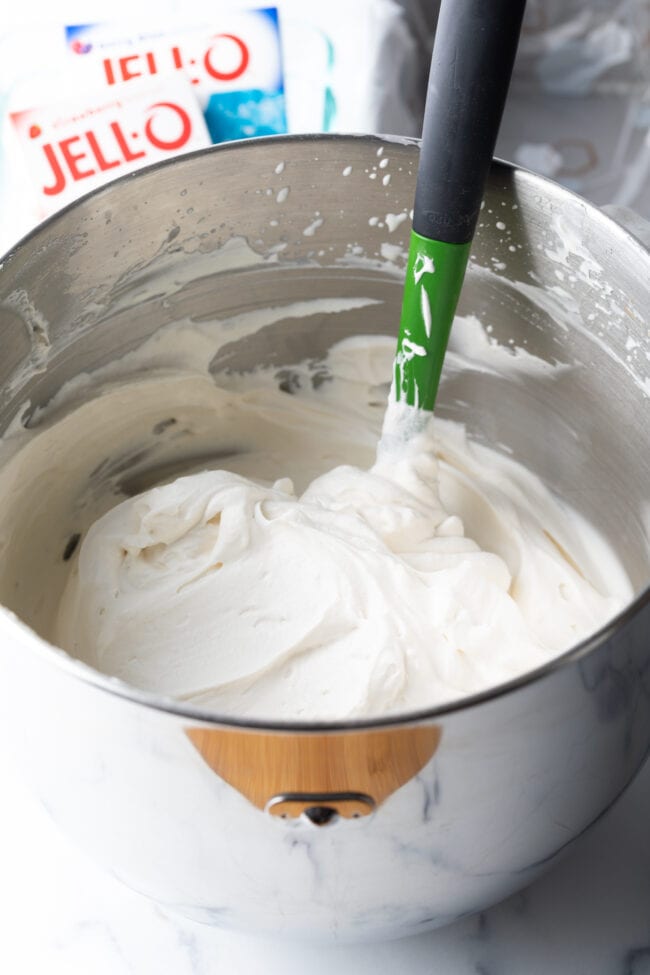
378, 828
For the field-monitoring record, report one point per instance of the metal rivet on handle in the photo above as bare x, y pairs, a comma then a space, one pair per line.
320, 809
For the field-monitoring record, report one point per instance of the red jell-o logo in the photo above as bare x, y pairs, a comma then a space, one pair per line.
98, 150
225, 59
74, 146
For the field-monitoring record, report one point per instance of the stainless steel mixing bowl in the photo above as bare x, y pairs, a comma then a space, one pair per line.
368, 829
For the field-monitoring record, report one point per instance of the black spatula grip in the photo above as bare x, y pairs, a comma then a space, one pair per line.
473, 55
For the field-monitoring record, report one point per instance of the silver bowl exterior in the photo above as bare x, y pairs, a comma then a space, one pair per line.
520, 772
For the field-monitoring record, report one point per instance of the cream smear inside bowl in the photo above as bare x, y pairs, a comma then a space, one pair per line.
286, 573
288, 577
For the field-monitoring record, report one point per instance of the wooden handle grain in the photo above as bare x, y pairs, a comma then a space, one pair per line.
264, 765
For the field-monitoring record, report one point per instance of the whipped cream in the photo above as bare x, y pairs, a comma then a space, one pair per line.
295, 578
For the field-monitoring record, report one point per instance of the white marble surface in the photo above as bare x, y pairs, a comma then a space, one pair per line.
61, 916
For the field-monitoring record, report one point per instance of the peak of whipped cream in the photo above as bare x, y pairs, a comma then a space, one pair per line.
435, 573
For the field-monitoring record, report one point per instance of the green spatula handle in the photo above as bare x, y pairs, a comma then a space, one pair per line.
473, 55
